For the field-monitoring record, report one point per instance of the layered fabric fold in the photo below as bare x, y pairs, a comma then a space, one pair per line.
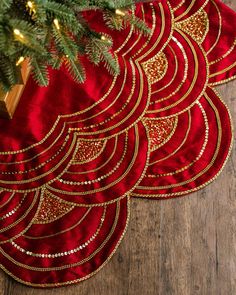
75, 154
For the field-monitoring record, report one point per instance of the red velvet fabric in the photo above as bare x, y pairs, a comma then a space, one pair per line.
74, 155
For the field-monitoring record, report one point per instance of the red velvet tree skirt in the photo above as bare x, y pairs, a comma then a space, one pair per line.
74, 155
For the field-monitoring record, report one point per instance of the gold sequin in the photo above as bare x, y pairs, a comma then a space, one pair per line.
156, 67
160, 131
51, 209
196, 26
88, 150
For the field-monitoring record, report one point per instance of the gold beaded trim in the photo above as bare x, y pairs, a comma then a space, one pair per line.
103, 176
220, 28
212, 162
186, 66
99, 167
13, 211
68, 252
40, 165
44, 269
179, 147
199, 155
80, 279
62, 231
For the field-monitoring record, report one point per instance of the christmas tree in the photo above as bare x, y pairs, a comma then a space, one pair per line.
51, 32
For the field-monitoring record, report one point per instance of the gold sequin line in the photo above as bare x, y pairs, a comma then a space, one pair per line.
68, 252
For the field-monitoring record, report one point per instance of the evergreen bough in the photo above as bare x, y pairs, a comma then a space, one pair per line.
53, 32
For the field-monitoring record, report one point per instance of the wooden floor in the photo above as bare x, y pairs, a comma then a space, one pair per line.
182, 246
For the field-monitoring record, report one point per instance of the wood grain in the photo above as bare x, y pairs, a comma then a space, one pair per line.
184, 246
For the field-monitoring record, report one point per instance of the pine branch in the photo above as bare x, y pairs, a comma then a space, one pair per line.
27, 35
76, 70
58, 10
118, 22
9, 72
113, 21
40, 72
64, 44
99, 51
5, 4
52, 31
138, 24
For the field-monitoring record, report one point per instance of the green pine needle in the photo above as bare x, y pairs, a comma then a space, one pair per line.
34, 34
40, 72
76, 70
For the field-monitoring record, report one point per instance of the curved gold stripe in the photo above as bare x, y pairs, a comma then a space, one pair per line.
128, 37
80, 279
224, 70
184, 77
198, 156
220, 28
137, 40
9, 199
22, 217
219, 138
189, 9
174, 76
48, 172
179, 147
62, 231
137, 145
160, 35
224, 55
151, 34
99, 167
44, 269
